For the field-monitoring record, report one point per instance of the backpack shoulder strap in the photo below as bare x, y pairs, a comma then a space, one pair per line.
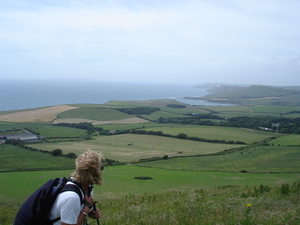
76, 189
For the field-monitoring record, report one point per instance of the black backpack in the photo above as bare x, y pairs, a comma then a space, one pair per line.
36, 208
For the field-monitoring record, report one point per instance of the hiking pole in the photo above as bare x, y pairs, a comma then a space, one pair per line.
95, 210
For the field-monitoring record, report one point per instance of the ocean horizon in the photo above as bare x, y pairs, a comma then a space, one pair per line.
25, 94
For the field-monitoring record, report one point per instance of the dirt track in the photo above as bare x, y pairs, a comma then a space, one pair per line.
39, 115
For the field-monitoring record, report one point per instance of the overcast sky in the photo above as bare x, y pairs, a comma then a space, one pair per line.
174, 41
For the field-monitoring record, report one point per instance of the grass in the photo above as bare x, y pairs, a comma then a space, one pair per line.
214, 132
173, 197
260, 95
46, 129
10, 125
14, 158
230, 115
214, 206
56, 131
156, 102
143, 146
182, 111
209, 207
210, 189
95, 114
273, 109
290, 139
263, 159
292, 115
164, 114
121, 127
236, 109
252, 110
118, 181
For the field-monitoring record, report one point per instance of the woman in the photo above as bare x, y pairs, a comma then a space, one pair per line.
68, 205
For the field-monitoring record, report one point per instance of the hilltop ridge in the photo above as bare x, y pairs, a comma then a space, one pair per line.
252, 95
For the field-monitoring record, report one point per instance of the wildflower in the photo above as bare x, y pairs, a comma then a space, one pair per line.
248, 205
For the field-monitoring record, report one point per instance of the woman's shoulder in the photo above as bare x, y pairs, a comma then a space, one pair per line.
70, 193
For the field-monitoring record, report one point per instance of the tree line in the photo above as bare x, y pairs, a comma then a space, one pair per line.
280, 124
139, 110
90, 129
180, 136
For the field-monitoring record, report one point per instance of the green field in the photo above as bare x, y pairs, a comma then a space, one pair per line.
14, 158
118, 147
119, 181
273, 109
252, 110
213, 132
56, 131
235, 109
46, 129
95, 114
157, 114
191, 185
291, 139
259, 95
121, 127
262, 159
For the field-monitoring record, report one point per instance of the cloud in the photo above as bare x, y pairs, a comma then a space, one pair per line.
194, 41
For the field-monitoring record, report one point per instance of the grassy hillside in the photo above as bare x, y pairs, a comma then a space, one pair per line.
263, 159
174, 197
119, 147
14, 158
255, 91
291, 139
118, 181
213, 132
254, 110
258, 95
95, 114
184, 189
46, 129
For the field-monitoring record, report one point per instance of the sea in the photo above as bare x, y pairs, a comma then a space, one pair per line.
26, 94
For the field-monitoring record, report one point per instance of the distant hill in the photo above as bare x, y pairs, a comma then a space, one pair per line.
254, 95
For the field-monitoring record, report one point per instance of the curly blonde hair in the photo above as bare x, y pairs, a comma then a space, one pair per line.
88, 168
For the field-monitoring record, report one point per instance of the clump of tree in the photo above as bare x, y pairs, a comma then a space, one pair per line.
71, 155
143, 178
58, 152
148, 132
82, 125
139, 110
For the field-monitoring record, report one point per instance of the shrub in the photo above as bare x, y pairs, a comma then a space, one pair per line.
56, 152
71, 155
182, 136
143, 178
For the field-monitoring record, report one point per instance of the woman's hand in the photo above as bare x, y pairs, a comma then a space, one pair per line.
95, 214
